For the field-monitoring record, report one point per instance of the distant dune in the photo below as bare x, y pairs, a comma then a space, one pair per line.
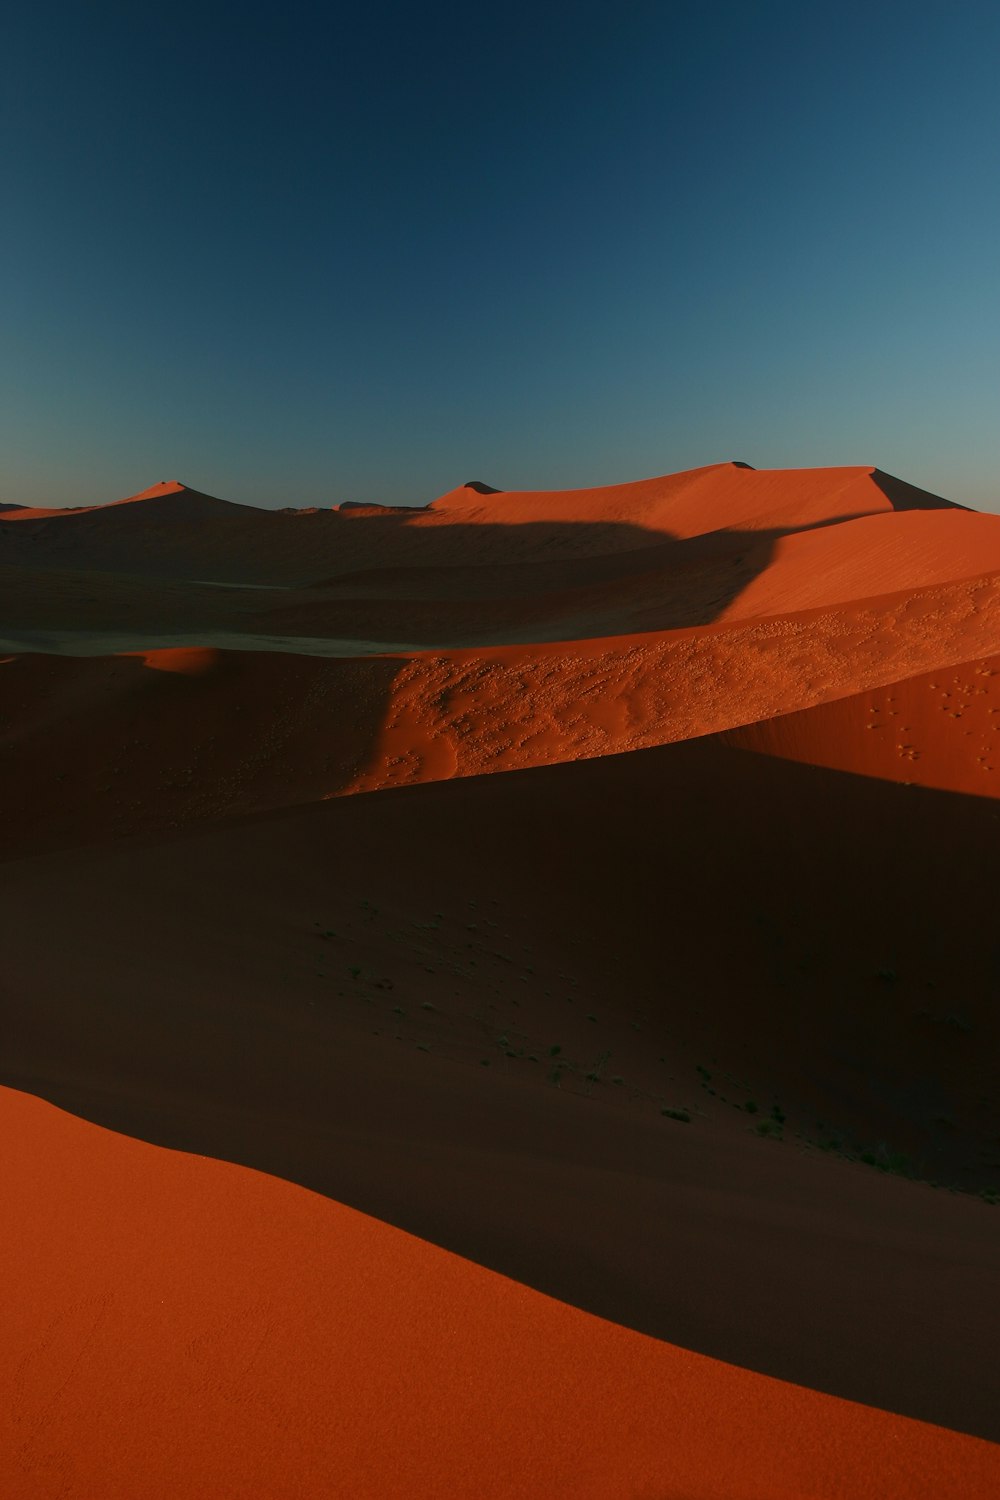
558, 929
700, 500
170, 531
498, 631
169, 498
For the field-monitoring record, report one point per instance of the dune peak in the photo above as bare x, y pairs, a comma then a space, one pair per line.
164, 487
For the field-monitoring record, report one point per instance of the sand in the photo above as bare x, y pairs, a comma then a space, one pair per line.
187, 1327
938, 729
274, 728
361, 919
596, 937
174, 532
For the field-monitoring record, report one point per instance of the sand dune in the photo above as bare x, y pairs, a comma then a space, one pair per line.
938, 729
681, 552
264, 992
161, 1347
839, 564
662, 1071
256, 730
176, 532
689, 504
168, 498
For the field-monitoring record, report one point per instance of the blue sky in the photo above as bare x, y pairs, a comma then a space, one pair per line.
306, 253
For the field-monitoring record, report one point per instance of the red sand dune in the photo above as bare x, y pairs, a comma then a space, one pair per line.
858, 559
186, 1327
99, 745
700, 500
181, 533
722, 576
463, 1008
938, 729
314, 994
497, 709
182, 502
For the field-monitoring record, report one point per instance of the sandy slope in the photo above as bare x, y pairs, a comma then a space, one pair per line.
107, 746
725, 575
163, 1344
174, 532
689, 504
939, 729
265, 992
169, 497
463, 1004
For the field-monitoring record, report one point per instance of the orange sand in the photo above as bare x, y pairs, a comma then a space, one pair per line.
463, 1008
171, 531
313, 993
187, 661
252, 731
188, 1327
700, 500
938, 729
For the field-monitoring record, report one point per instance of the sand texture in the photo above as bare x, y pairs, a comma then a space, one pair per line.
500, 999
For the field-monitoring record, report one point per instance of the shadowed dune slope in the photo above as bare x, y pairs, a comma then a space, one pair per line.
674, 585
671, 585
104, 747
316, 994
160, 1346
730, 575
654, 1031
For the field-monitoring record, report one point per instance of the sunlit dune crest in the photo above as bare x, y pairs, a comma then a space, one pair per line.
156, 492
699, 500
181, 502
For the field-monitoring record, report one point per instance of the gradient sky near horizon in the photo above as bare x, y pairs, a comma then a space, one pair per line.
307, 253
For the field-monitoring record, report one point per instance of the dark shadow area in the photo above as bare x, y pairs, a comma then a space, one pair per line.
903, 496
823, 940
450, 584
642, 582
97, 749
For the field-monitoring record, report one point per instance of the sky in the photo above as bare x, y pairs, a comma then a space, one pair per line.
298, 254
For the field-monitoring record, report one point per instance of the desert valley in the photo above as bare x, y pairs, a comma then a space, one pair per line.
500, 997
